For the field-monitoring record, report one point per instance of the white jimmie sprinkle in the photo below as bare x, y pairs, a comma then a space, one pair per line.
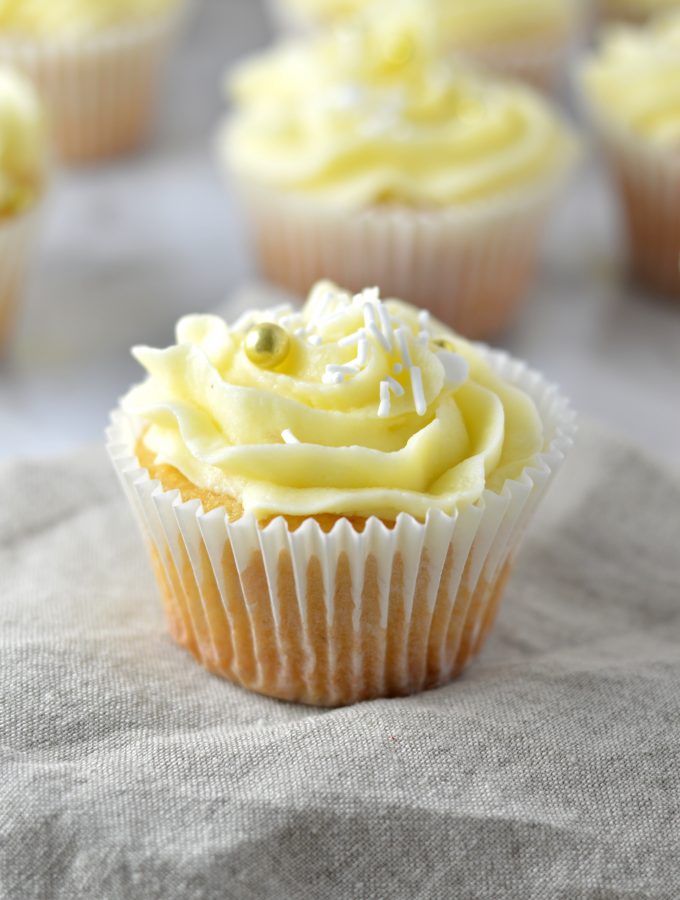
396, 387
289, 437
418, 392
385, 406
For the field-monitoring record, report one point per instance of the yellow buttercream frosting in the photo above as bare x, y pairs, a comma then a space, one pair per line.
460, 22
49, 18
22, 144
634, 80
377, 115
375, 409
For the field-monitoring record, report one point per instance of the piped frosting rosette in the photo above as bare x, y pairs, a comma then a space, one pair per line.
375, 410
354, 465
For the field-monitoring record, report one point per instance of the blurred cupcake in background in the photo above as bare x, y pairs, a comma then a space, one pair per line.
527, 39
632, 86
366, 157
636, 11
22, 183
96, 63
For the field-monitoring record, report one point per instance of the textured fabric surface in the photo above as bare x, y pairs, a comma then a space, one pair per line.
550, 770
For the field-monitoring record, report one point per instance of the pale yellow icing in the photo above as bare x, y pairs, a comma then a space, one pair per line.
308, 438
460, 22
22, 144
377, 115
634, 80
48, 18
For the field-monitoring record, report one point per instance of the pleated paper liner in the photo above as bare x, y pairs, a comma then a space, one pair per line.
100, 91
17, 236
331, 618
648, 182
470, 266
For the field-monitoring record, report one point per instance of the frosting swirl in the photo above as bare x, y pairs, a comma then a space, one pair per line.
459, 21
22, 144
635, 79
372, 115
376, 409
38, 18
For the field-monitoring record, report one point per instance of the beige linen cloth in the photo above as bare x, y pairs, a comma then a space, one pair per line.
550, 770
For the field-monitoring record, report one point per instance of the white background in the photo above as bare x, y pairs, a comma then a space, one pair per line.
128, 247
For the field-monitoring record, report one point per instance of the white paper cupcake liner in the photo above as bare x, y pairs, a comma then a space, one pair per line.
330, 618
541, 64
647, 179
470, 266
99, 91
17, 236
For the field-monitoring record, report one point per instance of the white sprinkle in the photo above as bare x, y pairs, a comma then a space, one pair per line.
386, 325
351, 339
396, 387
418, 392
397, 368
403, 347
362, 352
371, 295
384, 408
300, 332
455, 368
314, 340
287, 321
348, 369
289, 437
379, 336
333, 378
369, 316
424, 319
423, 338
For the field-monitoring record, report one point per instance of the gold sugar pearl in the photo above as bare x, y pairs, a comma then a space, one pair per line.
266, 344
444, 344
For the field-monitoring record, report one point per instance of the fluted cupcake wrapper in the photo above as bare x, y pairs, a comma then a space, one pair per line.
538, 63
99, 91
330, 618
648, 182
470, 266
17, 236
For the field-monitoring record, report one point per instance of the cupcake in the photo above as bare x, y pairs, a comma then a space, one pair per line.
636, 11
96, 63
365, 157
22, 183
333, 497
527, 39
632, 86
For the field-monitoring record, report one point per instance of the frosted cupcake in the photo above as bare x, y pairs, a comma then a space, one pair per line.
636, 11
365, 157
527, 39
96, 63
22, 183
633, 87
333, 497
